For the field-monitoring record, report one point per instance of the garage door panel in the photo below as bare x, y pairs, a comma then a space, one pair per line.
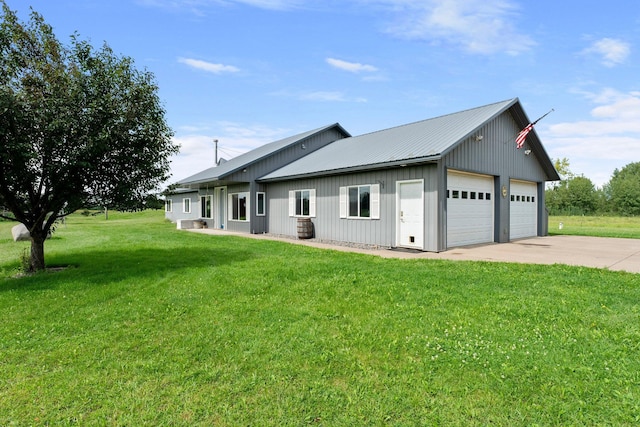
523, 209
470, 209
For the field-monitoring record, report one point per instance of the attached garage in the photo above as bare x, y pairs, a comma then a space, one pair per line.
470, 209
523, 209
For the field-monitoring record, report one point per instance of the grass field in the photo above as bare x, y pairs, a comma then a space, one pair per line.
153, 326
602, 226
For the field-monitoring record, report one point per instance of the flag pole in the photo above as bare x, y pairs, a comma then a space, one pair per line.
522, 136
543, 116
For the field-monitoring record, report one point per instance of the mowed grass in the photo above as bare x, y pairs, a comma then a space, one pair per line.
154, 326
601, 226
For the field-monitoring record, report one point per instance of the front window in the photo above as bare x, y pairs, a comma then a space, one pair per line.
239, 206
360, 201
302, 203
168, 205
186, 205
261, 204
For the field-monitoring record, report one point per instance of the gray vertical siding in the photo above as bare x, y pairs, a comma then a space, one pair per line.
177, 206
496, 154
327, 223
248, 175
234, 225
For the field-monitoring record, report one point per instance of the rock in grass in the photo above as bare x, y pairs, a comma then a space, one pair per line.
20, 233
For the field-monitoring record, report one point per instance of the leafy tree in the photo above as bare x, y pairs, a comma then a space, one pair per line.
624, 189
78, 127
562, 166
581, 195
573, 194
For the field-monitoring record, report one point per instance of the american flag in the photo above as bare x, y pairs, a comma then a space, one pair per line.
522, 136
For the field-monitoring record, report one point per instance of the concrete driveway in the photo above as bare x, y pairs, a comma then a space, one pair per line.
598, 252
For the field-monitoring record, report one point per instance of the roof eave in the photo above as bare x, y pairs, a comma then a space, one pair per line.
360, 168
245, 165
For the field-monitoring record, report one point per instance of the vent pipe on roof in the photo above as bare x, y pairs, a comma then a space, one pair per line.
215, 142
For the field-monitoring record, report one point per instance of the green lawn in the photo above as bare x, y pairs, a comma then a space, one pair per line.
601, 226
154, 326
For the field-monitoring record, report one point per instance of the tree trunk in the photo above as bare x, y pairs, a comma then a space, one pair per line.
36, 262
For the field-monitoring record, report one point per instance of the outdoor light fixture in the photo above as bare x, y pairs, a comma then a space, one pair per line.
479, 138
527, 152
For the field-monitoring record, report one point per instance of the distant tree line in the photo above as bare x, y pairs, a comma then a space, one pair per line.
577, 195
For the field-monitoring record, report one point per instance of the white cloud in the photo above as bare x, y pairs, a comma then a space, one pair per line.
197, 150
352, 67
611, 139
199, 6
476, 26
323, 96
613, 51
319, 96
208, 66
273, 4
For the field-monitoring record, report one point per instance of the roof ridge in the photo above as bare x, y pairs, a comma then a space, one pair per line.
506, 101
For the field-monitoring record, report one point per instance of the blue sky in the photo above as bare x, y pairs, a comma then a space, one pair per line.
248, 72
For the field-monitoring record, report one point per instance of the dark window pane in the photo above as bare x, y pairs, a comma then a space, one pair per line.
298, 202
305, 203
242, 207
261, 203
234, 206
365, 200
353, 201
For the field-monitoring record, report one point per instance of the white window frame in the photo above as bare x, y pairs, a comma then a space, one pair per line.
168, 205
186, 205
261, 205
239, 194
293, 206
374, 201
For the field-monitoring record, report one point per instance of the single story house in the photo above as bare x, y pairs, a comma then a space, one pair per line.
449, 181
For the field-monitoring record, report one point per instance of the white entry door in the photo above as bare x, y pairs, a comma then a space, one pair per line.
410, 214
220, 210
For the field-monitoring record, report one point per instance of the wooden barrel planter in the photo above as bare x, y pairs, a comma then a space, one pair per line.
305, 228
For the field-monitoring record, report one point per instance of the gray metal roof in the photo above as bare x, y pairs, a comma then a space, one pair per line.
242, 161
420, 141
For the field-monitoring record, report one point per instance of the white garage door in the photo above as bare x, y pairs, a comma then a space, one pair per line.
470, 213
523, 216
